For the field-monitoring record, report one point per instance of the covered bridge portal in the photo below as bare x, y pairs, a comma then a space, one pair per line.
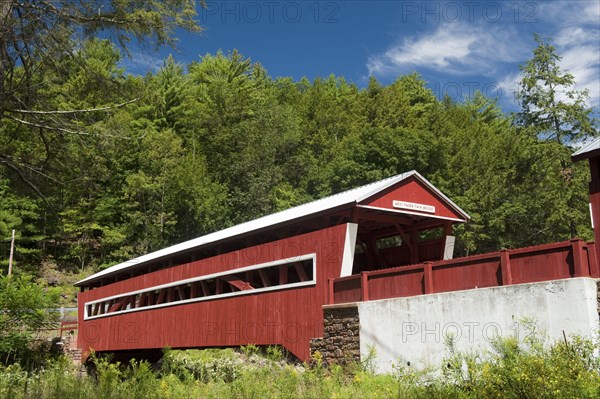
265, 281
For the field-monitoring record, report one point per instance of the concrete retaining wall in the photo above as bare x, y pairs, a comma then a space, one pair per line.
414, 329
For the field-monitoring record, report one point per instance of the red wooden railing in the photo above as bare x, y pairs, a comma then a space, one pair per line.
574, 258
68, 326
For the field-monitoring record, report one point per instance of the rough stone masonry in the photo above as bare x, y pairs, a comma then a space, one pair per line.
341, 338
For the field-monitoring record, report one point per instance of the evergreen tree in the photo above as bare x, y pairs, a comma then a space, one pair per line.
551, 107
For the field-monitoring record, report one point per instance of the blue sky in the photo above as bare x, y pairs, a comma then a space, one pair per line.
457, 46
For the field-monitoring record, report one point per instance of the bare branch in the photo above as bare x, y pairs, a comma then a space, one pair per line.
5, 160
78, 133
74, 111
60, 129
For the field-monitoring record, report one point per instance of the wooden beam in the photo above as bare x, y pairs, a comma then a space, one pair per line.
264, 278
300, 271
238, 283
181, 293
283, 274
151, 297
117, 305
446, 231
372, 245
162, 293
370, 259
114, 307
354, 215
205, 289
414, 250
194, 290
143, 298
104, 308
384, 218
448, 228
405, 237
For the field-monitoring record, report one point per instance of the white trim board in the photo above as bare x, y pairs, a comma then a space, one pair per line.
286, 261
376, 208
349, 248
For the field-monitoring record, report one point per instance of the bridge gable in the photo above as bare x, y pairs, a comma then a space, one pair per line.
412, 196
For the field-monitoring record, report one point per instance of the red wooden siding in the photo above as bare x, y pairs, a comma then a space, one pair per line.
560, 260
400, 283
412, 190
290, 317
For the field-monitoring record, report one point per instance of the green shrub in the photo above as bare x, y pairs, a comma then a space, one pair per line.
24, 315
202, 365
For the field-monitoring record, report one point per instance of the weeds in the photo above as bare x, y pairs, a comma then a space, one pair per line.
527, 369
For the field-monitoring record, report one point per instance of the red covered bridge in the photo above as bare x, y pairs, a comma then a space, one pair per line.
265, 281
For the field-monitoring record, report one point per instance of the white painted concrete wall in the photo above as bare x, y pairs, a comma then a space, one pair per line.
413, 329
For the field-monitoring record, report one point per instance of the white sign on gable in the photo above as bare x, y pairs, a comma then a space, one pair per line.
413, 206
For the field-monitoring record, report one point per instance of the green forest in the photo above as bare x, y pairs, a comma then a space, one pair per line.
98, 165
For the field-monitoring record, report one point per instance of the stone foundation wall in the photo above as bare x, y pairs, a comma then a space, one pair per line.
341, 338
68, 347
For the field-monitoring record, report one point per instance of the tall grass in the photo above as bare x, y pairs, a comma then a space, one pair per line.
530, 369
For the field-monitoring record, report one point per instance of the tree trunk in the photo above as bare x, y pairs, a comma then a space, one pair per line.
5, 33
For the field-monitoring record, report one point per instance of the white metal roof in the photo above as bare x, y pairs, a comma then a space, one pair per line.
593, 146
349, 197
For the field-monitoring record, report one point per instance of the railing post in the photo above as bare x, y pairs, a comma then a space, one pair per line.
364, 286
331, 293
505, 268
428, 277
580, 267
592, 256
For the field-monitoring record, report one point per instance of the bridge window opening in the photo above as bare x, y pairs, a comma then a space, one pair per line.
431, 234
271, 276
389, 242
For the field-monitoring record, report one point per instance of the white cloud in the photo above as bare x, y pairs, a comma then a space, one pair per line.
572, 36
578, 48
565, 13
581, 58
508, 86
574, 29
141, 62
494, 51
453, 49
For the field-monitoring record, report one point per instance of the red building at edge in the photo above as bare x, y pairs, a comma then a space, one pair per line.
591, 152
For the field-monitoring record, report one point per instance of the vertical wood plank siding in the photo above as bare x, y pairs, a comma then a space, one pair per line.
289, 317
